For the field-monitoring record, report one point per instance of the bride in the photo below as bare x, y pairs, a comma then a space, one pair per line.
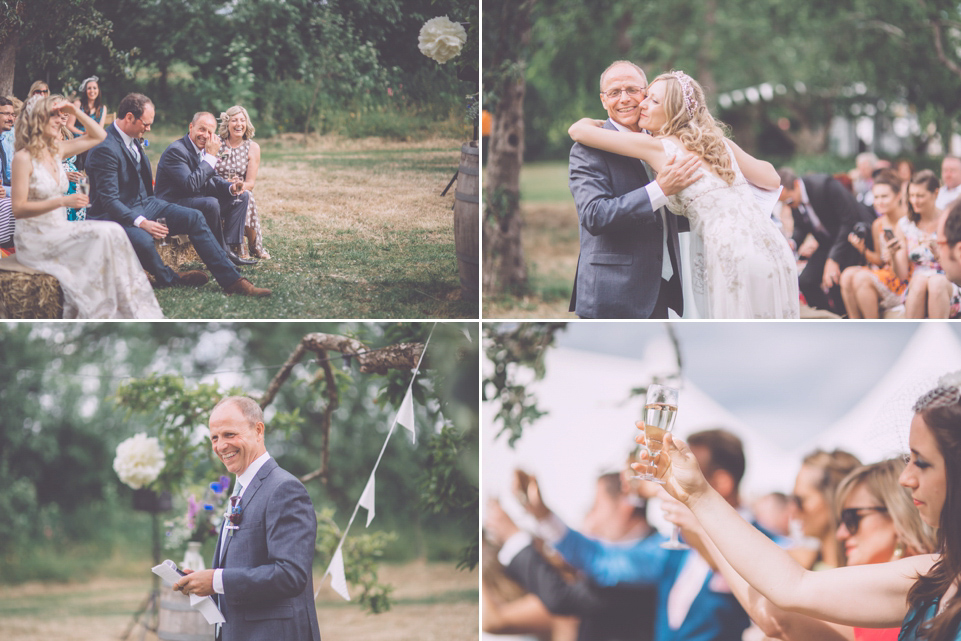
94, 262
742, 265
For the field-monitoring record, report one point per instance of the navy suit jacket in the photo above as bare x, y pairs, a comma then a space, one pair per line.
268, 562
116, 180
181, 174
619, 266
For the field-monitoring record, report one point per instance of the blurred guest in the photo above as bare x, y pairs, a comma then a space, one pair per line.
814, 492
949, 243
905, 170
929, 294
822, 207
951, 179
870, 290
878, 523
862, 177
773, 512
7, 115
240, 158
607, 613
38, 88
90, 102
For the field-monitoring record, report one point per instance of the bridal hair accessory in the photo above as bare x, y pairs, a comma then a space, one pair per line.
946, 392
689, 101
83, 85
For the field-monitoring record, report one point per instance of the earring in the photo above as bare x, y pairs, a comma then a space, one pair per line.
898, 551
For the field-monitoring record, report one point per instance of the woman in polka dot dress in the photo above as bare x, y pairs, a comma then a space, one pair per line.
240, 156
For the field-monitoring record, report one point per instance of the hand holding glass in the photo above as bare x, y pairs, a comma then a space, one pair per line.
660, 410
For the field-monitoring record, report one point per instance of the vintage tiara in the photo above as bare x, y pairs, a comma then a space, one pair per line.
689, 100
946, 392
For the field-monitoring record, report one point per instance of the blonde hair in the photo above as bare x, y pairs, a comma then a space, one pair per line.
31, 125
230, 113
881, 482
689, 120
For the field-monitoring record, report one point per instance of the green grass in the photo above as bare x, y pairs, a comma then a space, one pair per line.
545, 182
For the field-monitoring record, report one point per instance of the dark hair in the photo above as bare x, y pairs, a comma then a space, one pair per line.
97, 102
6, 102
944, 422
952, 224
788, 177
726, 450
930, 181
890, 178
132, 103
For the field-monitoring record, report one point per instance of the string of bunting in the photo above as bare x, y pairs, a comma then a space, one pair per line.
404, 416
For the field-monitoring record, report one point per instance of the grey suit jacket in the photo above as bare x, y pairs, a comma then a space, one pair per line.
619, 266
268, 579
181, 174
116, 180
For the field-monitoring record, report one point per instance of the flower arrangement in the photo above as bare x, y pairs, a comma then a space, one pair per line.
139, 461
441, 39
201, 520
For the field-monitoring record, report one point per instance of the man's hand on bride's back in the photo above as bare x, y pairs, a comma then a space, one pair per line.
677, 174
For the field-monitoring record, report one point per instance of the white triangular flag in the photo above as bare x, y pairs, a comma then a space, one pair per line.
405, 416
338, 580
367, 500
467, 334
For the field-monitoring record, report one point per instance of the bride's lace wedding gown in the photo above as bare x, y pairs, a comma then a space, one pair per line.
98, 271
741, 265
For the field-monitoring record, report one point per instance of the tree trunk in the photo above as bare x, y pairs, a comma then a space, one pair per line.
504, 267
8, 63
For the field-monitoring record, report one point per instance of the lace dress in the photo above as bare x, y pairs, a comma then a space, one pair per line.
94, 262
741, 265
234, 163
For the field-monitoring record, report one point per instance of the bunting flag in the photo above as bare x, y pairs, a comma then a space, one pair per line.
367, 500
467, 334
405, 416
338, 580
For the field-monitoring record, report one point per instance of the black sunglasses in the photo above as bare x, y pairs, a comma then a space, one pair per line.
851, 517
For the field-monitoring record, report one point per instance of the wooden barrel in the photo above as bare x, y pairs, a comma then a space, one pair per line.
466, 218
177, 621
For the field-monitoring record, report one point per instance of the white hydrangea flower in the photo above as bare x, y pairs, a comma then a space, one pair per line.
952, 379
139, 460
441, 39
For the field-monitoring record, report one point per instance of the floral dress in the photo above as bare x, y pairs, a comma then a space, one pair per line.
233, 162
922, 258
70, 164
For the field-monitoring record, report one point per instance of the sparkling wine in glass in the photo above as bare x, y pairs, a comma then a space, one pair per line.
234, 179
163, 221
660, 410
83, 185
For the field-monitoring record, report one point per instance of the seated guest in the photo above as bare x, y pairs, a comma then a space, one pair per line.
240, 157
951, 179
7, 115
121, 189
949, 243
870, 290
186, 176
930, 294
38, 88
91, 103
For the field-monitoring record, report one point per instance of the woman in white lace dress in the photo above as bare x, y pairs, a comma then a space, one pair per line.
742, 265
98, 271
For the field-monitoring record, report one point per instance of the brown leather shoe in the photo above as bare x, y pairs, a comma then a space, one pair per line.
193, 278
245, 288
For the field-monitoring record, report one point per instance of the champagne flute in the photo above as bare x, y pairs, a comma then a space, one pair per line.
83, 185
234, 179
163, 221
660, 410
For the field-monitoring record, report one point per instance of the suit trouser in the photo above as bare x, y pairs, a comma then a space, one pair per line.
180, 220
224, 217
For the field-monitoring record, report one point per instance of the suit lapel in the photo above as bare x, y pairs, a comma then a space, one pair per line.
248, 497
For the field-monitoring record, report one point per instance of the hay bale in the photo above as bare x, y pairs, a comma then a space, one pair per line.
177, 252
26, 295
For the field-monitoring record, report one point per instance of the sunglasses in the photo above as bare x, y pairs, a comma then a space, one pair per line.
851, 517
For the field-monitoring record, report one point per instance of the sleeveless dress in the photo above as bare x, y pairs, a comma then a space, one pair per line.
234, 163
922, 258
741, 265
914, 620
99, 272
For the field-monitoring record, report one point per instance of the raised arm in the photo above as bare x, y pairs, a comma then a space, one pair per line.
634, 145
758, 172
867, 595
95, 134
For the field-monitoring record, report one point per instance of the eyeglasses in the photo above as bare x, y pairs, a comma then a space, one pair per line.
633, 92
145, 124
851, 517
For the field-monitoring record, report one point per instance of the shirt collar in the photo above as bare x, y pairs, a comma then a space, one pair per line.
125, 137
804, 193
251, 472
197, 149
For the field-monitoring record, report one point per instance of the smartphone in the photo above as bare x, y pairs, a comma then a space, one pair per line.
888, 233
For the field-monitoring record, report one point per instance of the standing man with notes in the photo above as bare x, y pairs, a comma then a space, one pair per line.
262, 571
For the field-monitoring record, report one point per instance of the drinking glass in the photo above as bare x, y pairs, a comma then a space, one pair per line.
234, 179
83, 185
660, 410
163, 221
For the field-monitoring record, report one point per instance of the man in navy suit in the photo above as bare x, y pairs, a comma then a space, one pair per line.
121, 190
186, 176
262, 571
